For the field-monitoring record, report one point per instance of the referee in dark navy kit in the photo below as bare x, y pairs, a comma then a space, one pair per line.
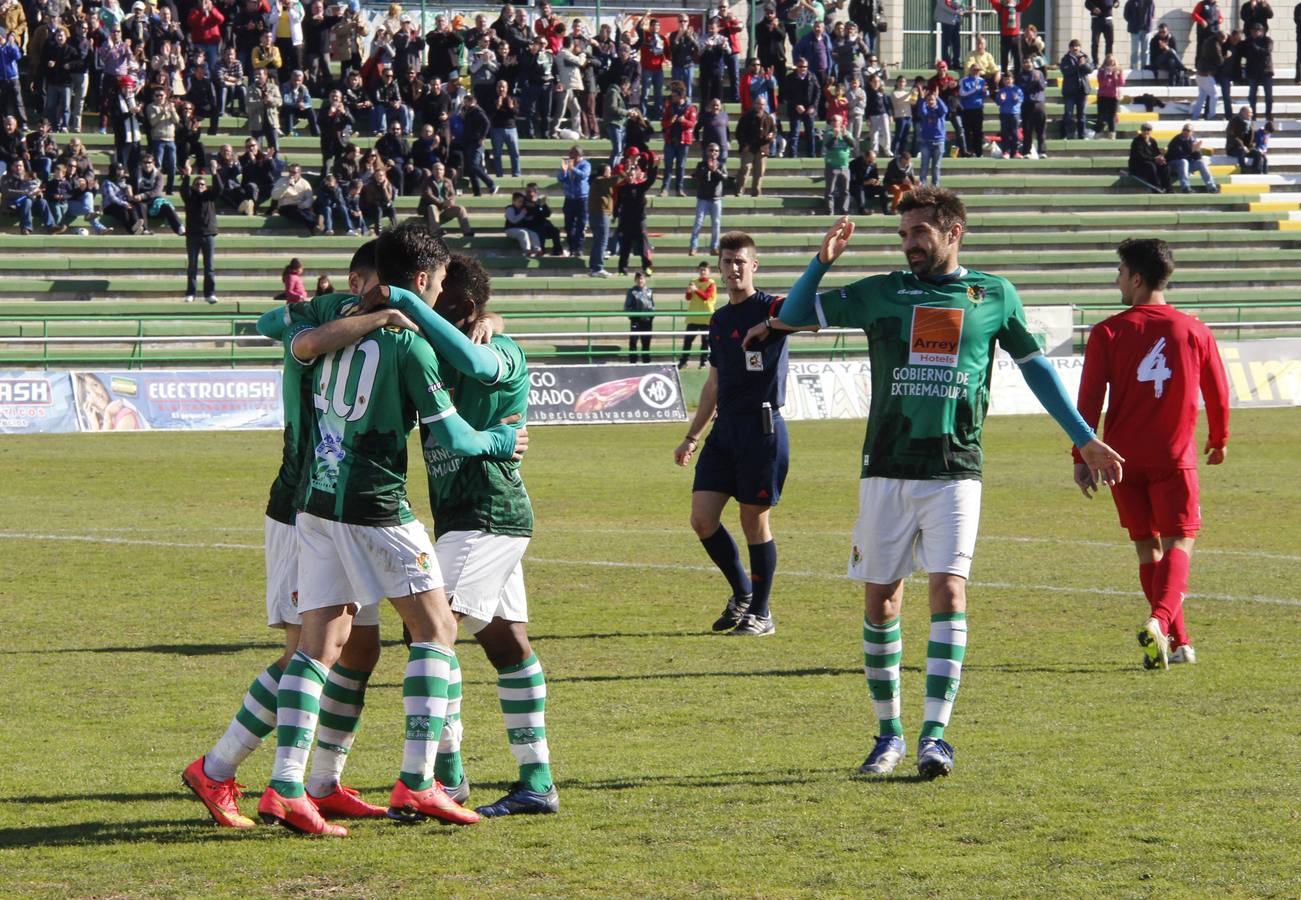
747, 452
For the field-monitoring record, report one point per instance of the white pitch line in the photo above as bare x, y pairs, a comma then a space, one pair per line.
672, 567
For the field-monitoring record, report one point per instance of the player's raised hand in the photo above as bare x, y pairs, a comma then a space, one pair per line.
396, 319
1214, 455
837, 240
1104, 463
375, 298
756, 333
687, 449
1084, 480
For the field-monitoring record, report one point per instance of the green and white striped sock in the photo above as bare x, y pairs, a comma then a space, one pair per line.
944, 653
341, 705
251, 725
447, 767
298, 705
882, 650
522, 691
424, 698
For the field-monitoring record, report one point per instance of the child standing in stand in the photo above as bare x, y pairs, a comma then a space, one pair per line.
292, 276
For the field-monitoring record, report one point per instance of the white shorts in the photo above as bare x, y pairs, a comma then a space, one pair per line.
485, 579
342, 564
899, 520
280, 547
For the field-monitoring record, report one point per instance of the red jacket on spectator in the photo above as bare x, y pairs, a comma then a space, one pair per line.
1009, 15
205, 29
730, 27
688, 123
746, 100
552, 33
651, 61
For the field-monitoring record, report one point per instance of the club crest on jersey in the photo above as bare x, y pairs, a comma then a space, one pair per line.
936, 336
976, 294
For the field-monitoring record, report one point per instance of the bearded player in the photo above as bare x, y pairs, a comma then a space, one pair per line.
212, 776
1153, 362
931, 333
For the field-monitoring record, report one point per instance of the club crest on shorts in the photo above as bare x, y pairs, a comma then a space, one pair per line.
424, 562
854, 556
293, 599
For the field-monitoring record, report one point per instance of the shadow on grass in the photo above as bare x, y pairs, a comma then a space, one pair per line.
156, 831
164, 649
112, 797
1049, 669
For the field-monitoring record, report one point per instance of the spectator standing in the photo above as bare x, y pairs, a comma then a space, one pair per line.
837, 147
288, 16
1075, 71
1110, 80
1009, 98
264, 101
1009, 30
200, 200
800, 93
1185, 152
438, 202
336, 122
1210, 58
652, 49
945, 87
475, 126
972, 91
770, 41
1209, 19
984, 62
163, 119
711, 180
1033, 120
630, 210
82, 59
758, 81
729, 26
600, 206
292, 277
505, 134
684, 53
575, 173
713, 62
1255, 12
317, 25
932, 116
948, 14
1139, 15
205, 23
815, 47
865, 182
679, 123
1102, 25
126, 114
902, 101
1258, 66
714, 127
56, 60
856, 98
614, 117
701, 296
569, 82
754, 136
640, 300
1230, 70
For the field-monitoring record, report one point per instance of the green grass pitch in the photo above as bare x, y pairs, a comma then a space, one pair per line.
688, 763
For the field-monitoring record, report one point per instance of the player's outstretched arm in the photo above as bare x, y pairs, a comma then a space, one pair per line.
1103, 462
273, 322
461, 353
761, 331
503, 441
339, 333
704, 412
799, 306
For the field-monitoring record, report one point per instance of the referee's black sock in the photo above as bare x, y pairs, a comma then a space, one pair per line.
763, 563
723, 551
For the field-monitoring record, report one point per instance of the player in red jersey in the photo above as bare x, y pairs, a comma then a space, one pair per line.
1155, 360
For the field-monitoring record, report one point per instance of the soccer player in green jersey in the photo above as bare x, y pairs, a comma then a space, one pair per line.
212, 776
931, 332
358, 540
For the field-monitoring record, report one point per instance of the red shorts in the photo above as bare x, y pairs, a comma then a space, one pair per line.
1158, 501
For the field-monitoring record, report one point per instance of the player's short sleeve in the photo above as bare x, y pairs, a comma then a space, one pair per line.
510, 355
848, 306
1014, 332
422, 380
300, 317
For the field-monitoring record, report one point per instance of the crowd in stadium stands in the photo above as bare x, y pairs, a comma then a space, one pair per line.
399, 121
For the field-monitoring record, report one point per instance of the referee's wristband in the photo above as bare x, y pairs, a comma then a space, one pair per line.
693, 440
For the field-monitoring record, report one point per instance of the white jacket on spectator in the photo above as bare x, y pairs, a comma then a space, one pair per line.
569, 69
294, 11
288, 191
163, 119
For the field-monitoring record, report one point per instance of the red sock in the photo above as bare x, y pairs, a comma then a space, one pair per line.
1178, 633
1169, 586
1146, 575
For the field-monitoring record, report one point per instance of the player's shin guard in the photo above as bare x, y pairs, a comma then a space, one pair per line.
251, 725
763, 564
944, 653
298, 707
723, 551
424, 698
1168, 591
448, 768
522, 691
882, 651
341, 703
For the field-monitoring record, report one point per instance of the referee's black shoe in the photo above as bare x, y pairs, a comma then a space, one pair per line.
754, 626
733, 613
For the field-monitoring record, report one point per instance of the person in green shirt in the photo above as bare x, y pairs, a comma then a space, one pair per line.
931, 332
358, 539
837, 148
